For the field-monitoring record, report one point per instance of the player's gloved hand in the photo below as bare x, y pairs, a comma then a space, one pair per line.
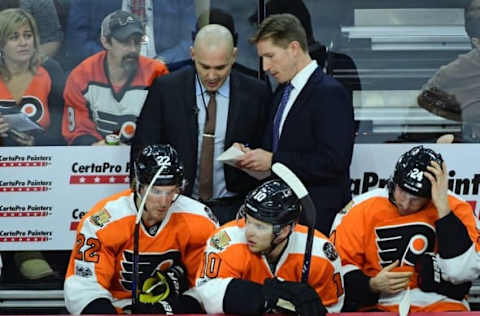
430, 278
160, 307
292, 297
174, 304
164, 283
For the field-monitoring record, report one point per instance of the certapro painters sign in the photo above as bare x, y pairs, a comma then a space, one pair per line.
44, 191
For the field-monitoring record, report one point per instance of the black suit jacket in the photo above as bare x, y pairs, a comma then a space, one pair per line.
316, 143
169, 116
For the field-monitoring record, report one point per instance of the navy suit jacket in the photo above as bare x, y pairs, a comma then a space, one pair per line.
169, 115
316, 143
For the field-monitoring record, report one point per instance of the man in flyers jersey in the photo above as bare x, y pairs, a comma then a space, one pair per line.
172, 235
253, 265
414, 235
105, 93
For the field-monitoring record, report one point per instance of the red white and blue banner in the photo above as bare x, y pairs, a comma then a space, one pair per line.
44, 191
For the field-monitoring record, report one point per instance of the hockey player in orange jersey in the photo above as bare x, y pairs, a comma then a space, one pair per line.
172, 236
414, 235
253, 265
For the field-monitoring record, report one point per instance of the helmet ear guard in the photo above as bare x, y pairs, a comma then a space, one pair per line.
409, 171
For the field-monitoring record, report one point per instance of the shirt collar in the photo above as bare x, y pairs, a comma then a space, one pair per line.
224, 89
301, 78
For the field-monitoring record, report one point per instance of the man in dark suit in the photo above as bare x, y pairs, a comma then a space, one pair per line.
179, 106
311, 127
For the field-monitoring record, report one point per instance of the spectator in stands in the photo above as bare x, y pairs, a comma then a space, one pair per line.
311, 127
327, 60
105, 93
30, 86
454, 91
172, 234
188, 98
400, 237
168, 25
31, 91
46, 17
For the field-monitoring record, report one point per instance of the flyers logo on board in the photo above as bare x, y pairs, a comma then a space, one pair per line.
404, 242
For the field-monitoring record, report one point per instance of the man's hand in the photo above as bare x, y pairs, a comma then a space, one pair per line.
163, 284
241, 146
438, 178
23, 139
255, 159
3, 127
389, 282
285, 296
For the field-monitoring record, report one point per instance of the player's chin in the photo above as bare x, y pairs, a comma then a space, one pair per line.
254, 248
160, 213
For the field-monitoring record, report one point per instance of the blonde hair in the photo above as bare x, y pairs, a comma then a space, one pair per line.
10, 21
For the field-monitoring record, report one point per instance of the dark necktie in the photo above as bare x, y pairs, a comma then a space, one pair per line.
138, 8
206, 156
278, 116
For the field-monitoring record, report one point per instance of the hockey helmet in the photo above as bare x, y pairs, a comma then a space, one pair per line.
273, 202
408, 174
155, 157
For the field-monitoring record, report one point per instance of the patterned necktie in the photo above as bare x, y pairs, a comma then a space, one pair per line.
206, 157
138, 8
279, 114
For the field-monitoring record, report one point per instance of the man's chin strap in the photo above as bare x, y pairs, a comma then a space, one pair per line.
273, 244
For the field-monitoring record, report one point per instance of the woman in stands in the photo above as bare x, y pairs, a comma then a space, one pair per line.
31, 87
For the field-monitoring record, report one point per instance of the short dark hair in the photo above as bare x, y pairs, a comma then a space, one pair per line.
282, 29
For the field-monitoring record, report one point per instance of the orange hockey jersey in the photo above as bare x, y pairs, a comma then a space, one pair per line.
101, 263
370, 234
227, 256
93, 109
34, 103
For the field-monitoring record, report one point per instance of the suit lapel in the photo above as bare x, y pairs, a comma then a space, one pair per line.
304, 95
190, 104
234, 107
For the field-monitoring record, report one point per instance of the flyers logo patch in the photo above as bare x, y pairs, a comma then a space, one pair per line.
404, 242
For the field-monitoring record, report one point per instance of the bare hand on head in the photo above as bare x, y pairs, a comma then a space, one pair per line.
438, 178
390, 282
256, 160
